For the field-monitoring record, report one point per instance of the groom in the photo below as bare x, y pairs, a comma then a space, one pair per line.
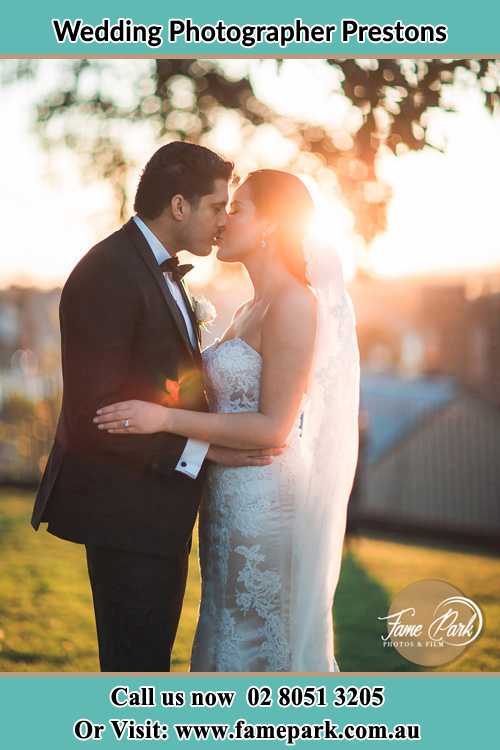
128, 330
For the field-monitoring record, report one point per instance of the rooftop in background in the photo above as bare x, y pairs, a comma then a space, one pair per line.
395, 406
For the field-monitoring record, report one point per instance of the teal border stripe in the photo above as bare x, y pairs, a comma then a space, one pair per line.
472, 29
457, 712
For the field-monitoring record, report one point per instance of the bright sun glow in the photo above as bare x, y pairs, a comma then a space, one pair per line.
333, 221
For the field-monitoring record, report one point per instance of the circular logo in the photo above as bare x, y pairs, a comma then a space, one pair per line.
431, 622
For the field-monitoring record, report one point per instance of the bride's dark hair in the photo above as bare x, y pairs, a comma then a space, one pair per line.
282, 197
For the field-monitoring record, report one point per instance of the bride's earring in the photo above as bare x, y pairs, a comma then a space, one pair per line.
263, 243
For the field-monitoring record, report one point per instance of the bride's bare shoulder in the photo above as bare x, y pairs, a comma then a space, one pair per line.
293, 309
295, 300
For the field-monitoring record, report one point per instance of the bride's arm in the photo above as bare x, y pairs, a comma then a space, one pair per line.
287, 348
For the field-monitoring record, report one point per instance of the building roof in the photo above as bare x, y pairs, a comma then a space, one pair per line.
395, 406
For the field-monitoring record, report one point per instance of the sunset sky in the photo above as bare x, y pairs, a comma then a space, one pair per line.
443, 214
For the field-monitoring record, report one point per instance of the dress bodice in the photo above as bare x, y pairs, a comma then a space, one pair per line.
232, 371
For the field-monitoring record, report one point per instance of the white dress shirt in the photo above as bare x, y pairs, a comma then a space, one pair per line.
195, 451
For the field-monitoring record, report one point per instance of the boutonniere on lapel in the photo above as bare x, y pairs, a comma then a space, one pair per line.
204, 312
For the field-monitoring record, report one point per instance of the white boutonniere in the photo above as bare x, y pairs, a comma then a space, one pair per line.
204, 311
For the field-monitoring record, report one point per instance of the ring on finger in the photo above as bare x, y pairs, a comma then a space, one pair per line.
125, 423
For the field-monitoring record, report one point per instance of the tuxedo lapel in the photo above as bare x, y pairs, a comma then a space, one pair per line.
189, 304
141, 245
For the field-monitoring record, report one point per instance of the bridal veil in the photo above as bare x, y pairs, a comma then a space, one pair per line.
329, 451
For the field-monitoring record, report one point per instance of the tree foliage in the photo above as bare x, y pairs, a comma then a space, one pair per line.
177, 98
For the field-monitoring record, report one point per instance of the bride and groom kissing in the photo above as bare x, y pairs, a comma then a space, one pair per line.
258, 433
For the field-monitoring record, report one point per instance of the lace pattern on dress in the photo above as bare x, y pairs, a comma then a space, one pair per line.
241, 576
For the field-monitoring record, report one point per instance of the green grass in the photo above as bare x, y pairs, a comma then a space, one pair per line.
46, 617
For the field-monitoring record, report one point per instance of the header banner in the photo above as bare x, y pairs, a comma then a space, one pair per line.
318, 29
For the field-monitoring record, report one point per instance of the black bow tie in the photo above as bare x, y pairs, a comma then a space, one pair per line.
172, 266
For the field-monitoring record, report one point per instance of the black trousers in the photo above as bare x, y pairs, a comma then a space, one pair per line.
137, 605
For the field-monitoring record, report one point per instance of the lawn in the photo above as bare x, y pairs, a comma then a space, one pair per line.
46, 619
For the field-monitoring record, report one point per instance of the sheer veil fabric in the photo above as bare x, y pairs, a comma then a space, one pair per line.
328, 446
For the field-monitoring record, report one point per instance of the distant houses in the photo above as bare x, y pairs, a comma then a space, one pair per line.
431, 460
30, 381
29, 343
432, 325
430, 394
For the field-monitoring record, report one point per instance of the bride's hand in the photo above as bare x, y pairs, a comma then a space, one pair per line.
133, 417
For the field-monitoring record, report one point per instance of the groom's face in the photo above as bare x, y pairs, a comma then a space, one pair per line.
205, 220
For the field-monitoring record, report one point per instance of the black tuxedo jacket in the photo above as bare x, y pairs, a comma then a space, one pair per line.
122, 337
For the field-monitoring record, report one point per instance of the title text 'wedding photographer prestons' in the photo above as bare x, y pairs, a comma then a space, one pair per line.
184, 30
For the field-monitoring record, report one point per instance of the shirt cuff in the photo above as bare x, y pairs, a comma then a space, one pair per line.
192, 458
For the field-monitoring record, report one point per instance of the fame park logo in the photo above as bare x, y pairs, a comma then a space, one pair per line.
431, 622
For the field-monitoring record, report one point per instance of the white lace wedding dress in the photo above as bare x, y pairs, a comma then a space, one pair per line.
245, 535
271, 537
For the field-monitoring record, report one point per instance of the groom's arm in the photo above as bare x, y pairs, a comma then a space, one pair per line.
100, 309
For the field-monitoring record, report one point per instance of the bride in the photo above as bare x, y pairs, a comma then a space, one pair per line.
285, 372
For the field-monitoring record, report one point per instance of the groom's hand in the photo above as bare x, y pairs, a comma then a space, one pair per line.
236, 457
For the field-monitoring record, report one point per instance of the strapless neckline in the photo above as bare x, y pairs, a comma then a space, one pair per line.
218, 344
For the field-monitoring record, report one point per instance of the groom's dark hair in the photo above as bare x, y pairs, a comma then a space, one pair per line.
178, 168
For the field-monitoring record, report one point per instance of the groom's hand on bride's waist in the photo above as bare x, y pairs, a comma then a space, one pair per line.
240, 457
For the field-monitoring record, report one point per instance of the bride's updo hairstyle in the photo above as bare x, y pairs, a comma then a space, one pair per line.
283, 198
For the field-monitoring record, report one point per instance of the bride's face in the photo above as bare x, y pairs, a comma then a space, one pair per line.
244, 231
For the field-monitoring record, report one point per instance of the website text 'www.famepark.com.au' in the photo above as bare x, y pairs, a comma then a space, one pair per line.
129, 729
